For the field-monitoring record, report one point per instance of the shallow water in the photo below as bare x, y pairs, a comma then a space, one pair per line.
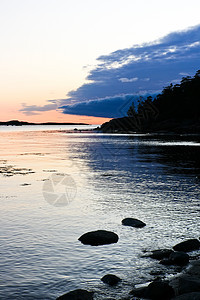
106, 178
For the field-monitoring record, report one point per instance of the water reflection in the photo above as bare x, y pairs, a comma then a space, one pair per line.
107, 153
117, 176
178, 155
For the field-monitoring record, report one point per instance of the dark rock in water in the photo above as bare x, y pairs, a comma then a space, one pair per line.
110, 279
140, 292
188, 284
133, 222
176, 258
179, 258
99, 237
156, 290
160, 290
188, 296
156, 273
166, 262
77, 295
188, 245
160, 254
194, 269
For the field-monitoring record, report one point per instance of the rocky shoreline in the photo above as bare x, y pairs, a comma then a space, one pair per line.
184, 285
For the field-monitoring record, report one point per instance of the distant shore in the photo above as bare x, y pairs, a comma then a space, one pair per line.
21, 123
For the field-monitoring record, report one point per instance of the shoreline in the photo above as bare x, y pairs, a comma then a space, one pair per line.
185, 283
181, 284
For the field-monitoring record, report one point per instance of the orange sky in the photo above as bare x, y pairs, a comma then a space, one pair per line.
8, 112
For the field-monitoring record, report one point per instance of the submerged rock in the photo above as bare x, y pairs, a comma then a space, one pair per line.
188, 245
99, 237
133, 222
79, 294
110, 279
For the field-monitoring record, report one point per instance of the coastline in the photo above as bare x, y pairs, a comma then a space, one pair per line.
182, 283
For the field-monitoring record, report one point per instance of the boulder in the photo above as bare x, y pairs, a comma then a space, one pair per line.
156, 290
79, 294
188, 245
188, 296
110, 279
160, 254
133, 222
166, 262
99, 237
179, 258
140, 292
194, 269
188, 284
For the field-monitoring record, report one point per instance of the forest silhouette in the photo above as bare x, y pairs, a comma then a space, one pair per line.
175, 109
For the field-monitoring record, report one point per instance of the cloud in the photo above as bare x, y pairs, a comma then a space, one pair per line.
31, 110
128, 79
145, 68
184, 74
140, 69
111, 107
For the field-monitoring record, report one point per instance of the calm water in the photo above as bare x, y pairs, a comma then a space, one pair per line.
105, 178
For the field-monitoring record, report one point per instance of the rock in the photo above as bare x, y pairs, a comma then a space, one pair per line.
179, 258
110, 279
188, 245
160, 254
188, 284
188, 296
194, 269
166, 262
160, 290
133, 222
99, 237
156, 273
156, 290
140, 292
77, 295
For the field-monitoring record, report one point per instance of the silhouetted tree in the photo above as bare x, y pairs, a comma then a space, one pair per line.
131, 111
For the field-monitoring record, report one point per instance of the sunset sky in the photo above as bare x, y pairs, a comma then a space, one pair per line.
56, 55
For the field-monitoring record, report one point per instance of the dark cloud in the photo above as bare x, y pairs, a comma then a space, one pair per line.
31, 110
145, 68
141, 69
108, 107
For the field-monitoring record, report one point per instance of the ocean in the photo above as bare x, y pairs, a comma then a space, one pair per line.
56, 185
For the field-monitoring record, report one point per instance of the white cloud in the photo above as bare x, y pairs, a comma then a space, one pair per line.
128, 79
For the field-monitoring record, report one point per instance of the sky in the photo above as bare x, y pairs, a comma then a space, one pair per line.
85, 61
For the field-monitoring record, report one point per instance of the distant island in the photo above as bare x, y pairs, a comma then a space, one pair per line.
21, 123
175, 110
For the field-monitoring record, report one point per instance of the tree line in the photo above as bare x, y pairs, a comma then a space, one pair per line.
177, 105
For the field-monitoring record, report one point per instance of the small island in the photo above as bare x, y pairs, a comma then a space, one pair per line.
21, 123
